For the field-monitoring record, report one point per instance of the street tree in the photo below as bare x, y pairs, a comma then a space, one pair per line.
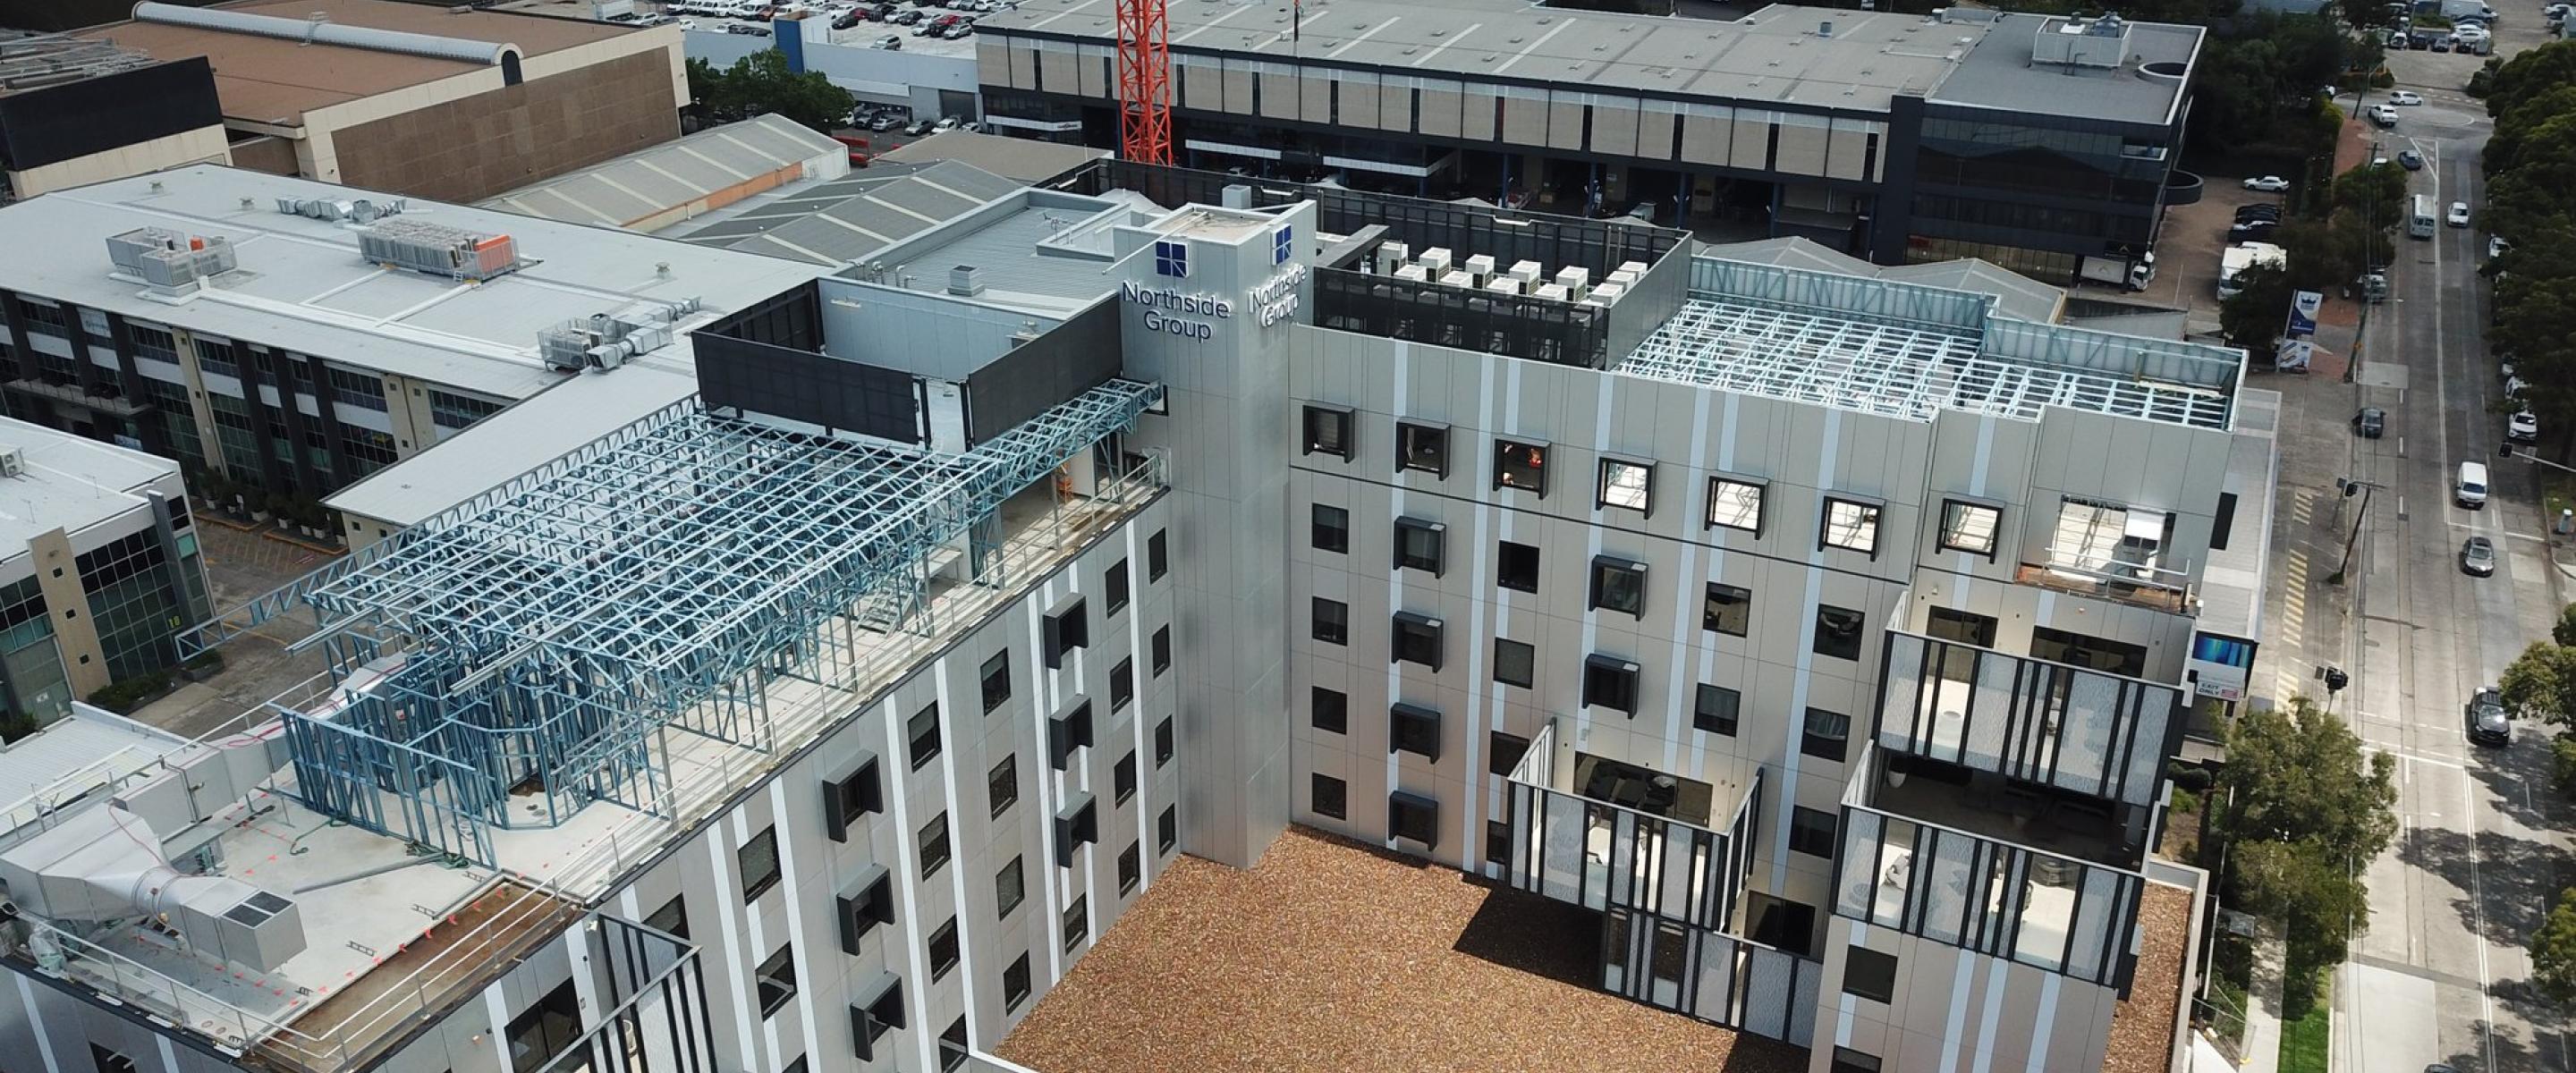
2375, 195
2306, 809
2254, 316
2540, 684
2530, 74
2553, 950
761, 82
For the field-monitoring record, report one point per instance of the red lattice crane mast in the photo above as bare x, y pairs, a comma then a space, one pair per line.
1144, 83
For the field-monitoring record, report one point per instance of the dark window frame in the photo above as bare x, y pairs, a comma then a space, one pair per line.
1158, 555
1527, 658
1435, 561
1407, 434
1329, 533
1705, 704
1761, 504
1873, 516
1720, 603
1869, 974
1336, 712
1340, 631
914, 736
1327, 796
1338, 423
1612, 682
1846, 643
1413, 728
1602, 585
1814, 832
1832, 742
1505, 572
1532, 470
1994, 534
1601, 486
754, 887
1003, 777
998, 666
1410, 633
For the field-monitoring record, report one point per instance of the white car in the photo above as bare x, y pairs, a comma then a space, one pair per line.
2522, 427
2405, 96
2269, 184
2496, 245
2459, 214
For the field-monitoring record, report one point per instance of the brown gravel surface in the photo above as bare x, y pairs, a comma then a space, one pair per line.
2142, 1028
1334, 956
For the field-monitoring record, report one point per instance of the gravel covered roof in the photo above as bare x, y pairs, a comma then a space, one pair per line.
1334, 956
2142, 1028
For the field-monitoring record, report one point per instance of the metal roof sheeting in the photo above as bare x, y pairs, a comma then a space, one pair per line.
638, 187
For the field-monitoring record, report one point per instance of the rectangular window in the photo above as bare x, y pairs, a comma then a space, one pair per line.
1067, 732
1838, 632
1010, 888
1626, 486
1412, 728
1507, 750
1329, 710
1714, 709
953, 1052
1869, 974
869, 903
2222, 523
1522, 466
924, 732
1610, 682
934, 845
1970, 527
1422, 447
1131, 867
1812, 831
1114, 599
1516, 567
1734, 504
1123, 777
1850, 526
672, 919
1172, 258
1002, 785
1163, 745
1158, 555
1847, 1060
1331, 530
1328, 796
776, 980
1077, 922
943, 950
1332, 621
1328, 431
1015, 984
1065, 627
1727, 610
1418, 545
1498, 842
1618, 585
997, 680
1167, 829
446, 410
360, 389
1515, 664
1826, 735
1122, 684
877, 1011
758, 862
1161, 646
1417, 640
856, 794
1415, 817
107, 1061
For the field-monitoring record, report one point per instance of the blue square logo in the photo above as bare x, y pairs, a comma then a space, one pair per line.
1172, 258
1283, 245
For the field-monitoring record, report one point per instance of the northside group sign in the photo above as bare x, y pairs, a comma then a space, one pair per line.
1170, 310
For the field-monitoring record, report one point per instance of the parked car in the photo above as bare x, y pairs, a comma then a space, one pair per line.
2487, 722
918, 127
2496, 245
2410, 160
889, 42
2522, 427
751, 29
2383, 115
2405, 96
2459, 214
885, 121
2370, 423
2259, 211
2269, 184
2255, 231
845, 21
945, 123
2477, 557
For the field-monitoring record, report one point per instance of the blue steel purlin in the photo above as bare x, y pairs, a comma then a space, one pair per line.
541, 638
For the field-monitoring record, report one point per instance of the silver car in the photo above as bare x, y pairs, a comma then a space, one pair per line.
2477, 557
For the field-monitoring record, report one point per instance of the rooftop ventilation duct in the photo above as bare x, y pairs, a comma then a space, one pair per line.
105, 864
606, 340
314, 32
963, 281
337, 210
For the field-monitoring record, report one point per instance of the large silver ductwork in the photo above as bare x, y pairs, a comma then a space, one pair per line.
104, 863
316, 31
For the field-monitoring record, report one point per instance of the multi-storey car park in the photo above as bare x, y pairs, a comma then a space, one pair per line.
2040, 143
1814, 642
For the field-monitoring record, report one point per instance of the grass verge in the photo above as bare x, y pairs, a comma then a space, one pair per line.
2304, 1034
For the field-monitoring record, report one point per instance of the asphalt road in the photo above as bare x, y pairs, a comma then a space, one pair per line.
2439, 970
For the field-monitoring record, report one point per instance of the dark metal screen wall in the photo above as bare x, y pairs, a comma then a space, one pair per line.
655, 995
53, 124
768, 359
1560, 333
2076, 729
1996, 898
1657, 865
1071, 358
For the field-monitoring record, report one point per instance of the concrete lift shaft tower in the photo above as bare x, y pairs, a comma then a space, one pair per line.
1144, 83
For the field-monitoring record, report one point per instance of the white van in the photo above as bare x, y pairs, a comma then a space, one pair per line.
2471, 489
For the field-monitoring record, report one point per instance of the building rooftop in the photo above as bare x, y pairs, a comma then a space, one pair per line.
34, 61
851, 218
1042, 251
69, 483
85, 749
303, 285
2016, 295
265, 77
1332, 955
1908, 350
1779, 54
2142, 1025
2001, 71
1022, 159
650, 188
2231, 586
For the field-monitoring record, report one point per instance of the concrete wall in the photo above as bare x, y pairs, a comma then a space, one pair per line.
1956, 1009
201, 145
470, 147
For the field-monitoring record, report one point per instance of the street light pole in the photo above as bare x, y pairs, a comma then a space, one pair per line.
2348, 487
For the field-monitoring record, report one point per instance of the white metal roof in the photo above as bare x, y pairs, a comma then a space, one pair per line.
69, 483
651, 182
302, 285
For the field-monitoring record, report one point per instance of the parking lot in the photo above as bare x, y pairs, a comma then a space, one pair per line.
859, 35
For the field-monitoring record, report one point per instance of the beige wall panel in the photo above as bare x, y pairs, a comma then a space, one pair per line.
1564, 125
1278, 96
1706, 139
1476, 119
1315, 93
1614, 129
1802, 147
1655, 134
1359, 102
993, 63
1524, 121
1440, 112
1238, 91
1055, 71
1024, 65
1752, 141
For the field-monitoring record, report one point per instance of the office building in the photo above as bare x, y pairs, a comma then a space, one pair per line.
2039, 143
99, 570
447, 102
1816, 640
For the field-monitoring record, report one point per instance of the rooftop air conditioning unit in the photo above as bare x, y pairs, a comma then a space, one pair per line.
1435, 261
13, 462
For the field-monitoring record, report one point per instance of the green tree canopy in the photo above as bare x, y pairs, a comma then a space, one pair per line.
760, 83
2253, 318
2540, 684
2306, 810
2553, 950
2375, 195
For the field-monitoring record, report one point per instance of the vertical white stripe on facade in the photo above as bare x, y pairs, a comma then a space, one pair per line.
1843, 1014
1395, 603
36, 1021
585, 990
907, 847
1994, 999
1682, 690
169, 1054
729, 911
1825, 458
917, 997
499, 1012
1976, 487
2049, 983
1958, 1019
787, 867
